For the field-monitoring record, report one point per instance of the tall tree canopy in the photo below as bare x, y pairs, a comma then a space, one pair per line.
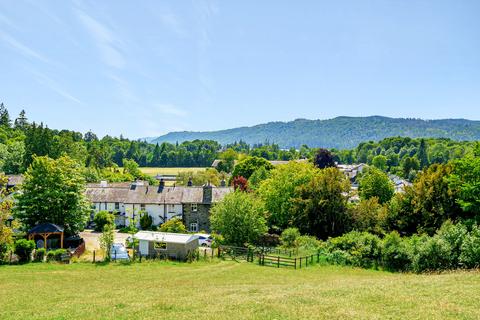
53, 191
247, 166
375, 183
280, 188
239, 218
320, 207
323, 159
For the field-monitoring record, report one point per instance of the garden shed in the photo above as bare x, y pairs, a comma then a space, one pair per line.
164, 244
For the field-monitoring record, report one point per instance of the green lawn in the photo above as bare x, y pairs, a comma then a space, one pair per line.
152, 171
231, 290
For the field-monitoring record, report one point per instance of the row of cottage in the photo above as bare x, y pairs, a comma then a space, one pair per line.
162, 203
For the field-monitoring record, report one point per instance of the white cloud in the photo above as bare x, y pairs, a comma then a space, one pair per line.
107, 42
53, 85
21, 48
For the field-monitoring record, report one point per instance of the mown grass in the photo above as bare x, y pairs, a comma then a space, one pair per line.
231, 290
152, 171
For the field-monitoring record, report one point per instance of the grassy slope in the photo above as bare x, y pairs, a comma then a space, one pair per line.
230, 290
154, 171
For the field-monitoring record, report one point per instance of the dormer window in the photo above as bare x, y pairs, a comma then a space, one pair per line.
194, 207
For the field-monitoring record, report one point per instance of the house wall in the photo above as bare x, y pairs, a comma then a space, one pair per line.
201, 216
156, 211
177, 251
108, 206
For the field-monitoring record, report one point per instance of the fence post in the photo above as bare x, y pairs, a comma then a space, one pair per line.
278, 262
115, 254
11, 253
300, 262
93, 256
306, 262
295, 263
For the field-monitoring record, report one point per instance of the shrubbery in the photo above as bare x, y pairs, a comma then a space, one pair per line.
24, 249
40, 254
101, 219
453, 246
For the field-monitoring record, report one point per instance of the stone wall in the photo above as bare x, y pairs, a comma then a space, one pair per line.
201, 216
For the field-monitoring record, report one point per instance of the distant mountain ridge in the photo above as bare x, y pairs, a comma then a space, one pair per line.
340, 132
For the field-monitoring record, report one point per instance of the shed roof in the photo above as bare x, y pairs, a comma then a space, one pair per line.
168, 237
46, 228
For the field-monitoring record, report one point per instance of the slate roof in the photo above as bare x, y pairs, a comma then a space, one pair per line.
151, 194
106, 194
46, 228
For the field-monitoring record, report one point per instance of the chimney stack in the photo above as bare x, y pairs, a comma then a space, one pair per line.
207, 193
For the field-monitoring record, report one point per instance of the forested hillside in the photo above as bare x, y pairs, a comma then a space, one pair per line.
340, 132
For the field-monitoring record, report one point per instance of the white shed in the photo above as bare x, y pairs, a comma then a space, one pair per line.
172, 245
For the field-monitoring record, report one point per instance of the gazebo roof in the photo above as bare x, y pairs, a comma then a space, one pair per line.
46, 228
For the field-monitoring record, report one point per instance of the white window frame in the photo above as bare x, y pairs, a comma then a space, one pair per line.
194, 227
194, 207
171, 208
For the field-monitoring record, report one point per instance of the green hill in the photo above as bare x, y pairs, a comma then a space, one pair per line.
340, 132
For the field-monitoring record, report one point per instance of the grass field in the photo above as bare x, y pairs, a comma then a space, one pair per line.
151, 171
231, 290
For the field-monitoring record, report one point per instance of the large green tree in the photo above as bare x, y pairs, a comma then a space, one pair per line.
320, 208
239, 218
53, 191
280, 188
375, 183
247, 166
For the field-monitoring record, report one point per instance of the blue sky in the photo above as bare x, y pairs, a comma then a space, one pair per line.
144, 68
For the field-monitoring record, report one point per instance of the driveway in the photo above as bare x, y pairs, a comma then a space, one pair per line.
92, 238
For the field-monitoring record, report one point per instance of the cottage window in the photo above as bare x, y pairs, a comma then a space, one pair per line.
193, 227
194, 207
117, 205
160, 245
171, 208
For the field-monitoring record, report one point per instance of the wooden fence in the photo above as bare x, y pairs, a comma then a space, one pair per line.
296, 263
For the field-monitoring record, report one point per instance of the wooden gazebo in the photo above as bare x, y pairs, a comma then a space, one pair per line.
45, 230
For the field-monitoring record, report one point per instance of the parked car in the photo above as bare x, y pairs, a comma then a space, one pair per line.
119, 252
204, 240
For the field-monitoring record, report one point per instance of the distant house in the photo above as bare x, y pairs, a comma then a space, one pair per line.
162, 203
170, 245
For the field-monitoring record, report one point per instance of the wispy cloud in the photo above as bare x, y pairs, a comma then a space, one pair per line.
107, 42
21, 48
53, 85
170, 109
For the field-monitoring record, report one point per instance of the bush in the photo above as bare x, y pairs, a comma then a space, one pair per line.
40, 254
23, 249
454, 235
339, 257
433, 254
309, 243
395, 253
269, 240
364, 248
102, 218
470, 249
145, 221
174, 225
56, 255
289, 237
130, 229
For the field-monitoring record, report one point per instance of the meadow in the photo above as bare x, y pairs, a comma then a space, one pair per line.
231, 290
153, 171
